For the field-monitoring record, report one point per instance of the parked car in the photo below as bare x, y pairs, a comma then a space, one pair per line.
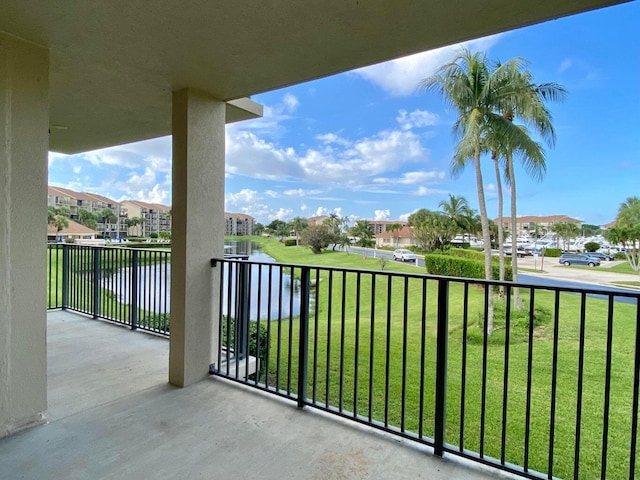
578, 259
404, 255
521, 251
601, 256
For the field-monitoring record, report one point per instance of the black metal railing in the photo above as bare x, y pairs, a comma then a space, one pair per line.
552, 392
123, 285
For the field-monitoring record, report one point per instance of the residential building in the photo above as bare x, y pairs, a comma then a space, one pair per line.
75, 79
317, 220
92, 202
238, 224
380, 226
155, 217
396, 239
528, 224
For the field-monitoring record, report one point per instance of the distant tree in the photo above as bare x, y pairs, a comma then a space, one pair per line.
395, 228
165, 235
627, 231
298, 224
133, 222
87, 218
589, 230
316, 237
334, 223
279, 228
258, 229
363, 232
344, 242
457, 209
432, 230
58, 217
566, 231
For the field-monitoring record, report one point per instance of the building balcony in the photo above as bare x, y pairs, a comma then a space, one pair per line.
552, 391
113, 415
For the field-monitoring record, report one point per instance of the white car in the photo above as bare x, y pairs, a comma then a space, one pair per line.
404, 255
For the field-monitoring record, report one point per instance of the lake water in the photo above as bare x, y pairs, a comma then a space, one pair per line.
154, 286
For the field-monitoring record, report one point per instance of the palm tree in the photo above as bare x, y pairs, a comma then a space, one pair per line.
298, 224
528, 106
394, 228
108, 217
476, 91
457, 208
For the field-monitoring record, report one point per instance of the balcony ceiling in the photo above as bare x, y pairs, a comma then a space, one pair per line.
114, 64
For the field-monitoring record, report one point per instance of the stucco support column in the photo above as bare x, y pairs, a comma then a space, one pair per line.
197, 233
24, 141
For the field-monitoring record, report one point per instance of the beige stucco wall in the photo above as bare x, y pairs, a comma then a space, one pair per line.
24, 141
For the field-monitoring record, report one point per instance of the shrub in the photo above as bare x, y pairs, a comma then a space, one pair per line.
591, 246
461, 245
519, 324
476, 255
553, 252
290, 242
620, 256
153, 235
255, 338
452, 266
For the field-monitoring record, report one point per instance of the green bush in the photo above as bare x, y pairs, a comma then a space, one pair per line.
153, 235
476, 255
289, 242
553, 252
591, 246
255, 338
452, 266
462, 245
620, 256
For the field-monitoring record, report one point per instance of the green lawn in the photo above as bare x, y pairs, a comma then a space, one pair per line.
345, 328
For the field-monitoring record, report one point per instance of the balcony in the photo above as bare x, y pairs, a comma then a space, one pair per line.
112, 415
552, 393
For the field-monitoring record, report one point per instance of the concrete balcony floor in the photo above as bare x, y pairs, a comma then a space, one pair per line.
113, 415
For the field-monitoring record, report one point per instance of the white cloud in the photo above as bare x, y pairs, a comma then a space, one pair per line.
304, 207
388, 150
382, 214
399, 77
413, 178
291, 102
281, 214
416, 119
490, 188
565, 65
427, 192
405, 216
156, 195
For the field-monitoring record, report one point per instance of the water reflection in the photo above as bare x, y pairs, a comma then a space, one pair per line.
273, 293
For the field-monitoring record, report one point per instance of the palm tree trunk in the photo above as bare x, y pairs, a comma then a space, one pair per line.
500, 225
517, 301
486, 238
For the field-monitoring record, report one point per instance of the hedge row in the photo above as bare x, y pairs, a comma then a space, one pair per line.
552, 252
476, 255
453, 266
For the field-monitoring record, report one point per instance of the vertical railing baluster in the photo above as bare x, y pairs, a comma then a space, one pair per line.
527, 420
636, 394
65, 277
423, 353
387, 354
576, 455
315, 335
463, 372
441, 367
268, 352
343, 295
554, 379
488, 290
303, 346
133, 255
328, 366
290, 335
96, 281
505, 378
356, 347
372, 344
607, 388
405, 326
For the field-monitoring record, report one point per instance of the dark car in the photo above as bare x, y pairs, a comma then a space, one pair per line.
579, 259
601, 256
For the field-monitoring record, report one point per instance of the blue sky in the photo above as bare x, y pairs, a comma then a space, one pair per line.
365, 144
